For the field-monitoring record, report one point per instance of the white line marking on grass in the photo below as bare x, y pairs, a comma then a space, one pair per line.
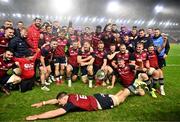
173, 65
174, 55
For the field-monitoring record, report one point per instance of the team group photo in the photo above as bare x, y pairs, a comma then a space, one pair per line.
68, 58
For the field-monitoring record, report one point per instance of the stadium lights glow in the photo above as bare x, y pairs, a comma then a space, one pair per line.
117, 21
78, 18
160, 23
113, 6
102, 20
128, 21
62, 6
28, 16
109, 20
125, 21
139, 22
142, 22
167, 24
3, 14
151, 22
56, 17
120, 20
19, 15
47, 17
14, 15
135, 22
158, 8
86, 19
94, 19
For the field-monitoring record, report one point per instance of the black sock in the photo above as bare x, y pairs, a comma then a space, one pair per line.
90, 77
68, 78
155, 81
161, 81
149, 84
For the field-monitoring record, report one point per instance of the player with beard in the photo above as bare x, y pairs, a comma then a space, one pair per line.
4, 40
72, 67
107, 37
47, 36
129, 43
142, 65
34, 34
47, 53
122, 54
6, 64
147, 41
96, 37
87, 36
155, 70
60, 57
26, 70
111, 54
123, 31
100, 63
72, 37
85, 60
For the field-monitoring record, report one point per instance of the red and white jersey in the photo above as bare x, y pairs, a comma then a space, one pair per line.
3, 44
27, 67
124, 56
126, 75
141, 56
60, 50
48, 37
4, 66
87, 103
153, 59
85, 54
87, 37
72, 57
99, 57
95, 39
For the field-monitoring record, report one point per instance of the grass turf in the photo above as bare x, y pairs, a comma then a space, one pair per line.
165, 108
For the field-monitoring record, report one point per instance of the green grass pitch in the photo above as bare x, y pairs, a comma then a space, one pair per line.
165, 108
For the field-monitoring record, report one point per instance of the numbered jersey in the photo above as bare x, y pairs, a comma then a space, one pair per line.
83, 102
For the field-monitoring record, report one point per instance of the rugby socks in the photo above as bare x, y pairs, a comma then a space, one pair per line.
90, 78
69, 81
155, 82
149, 84
57, 78
60, 77
161, 81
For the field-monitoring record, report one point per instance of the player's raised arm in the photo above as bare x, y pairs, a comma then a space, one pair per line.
47, 115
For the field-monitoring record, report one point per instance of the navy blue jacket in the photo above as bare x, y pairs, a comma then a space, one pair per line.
19, 46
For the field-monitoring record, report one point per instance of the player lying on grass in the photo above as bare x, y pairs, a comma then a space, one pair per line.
70, 102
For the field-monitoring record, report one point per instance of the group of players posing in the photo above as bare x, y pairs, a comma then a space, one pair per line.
134, 59
66, 56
